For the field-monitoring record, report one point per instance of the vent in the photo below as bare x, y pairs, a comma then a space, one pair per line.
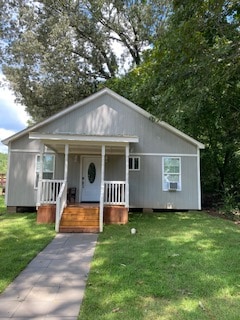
173, 186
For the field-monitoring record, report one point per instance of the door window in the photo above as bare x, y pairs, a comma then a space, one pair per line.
91, 172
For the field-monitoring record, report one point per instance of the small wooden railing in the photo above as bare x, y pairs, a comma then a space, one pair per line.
115, 192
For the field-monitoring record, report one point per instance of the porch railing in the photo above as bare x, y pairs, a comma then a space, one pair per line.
60, 204
48, 190
115, 192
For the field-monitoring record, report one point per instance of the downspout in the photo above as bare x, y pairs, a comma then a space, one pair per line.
127, 177
102, 190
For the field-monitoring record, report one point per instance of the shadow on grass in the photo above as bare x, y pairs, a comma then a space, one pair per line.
21, 238
177, 266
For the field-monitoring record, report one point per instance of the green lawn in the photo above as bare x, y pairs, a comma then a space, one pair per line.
20, 240
178, 266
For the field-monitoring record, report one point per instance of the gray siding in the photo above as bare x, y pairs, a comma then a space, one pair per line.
21, 180
146, 185
21, 177
59, 166
115, 168
74, 171
24, 143
107, 116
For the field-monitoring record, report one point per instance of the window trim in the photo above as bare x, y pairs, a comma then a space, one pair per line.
179, 188
134, 168
36, 165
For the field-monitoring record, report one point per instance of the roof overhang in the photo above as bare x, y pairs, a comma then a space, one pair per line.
83, 143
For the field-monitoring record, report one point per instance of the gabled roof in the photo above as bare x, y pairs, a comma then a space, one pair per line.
93, 97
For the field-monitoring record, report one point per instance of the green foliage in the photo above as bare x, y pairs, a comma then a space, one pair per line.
136, 85
202, 86
178, 266
2, 205
3, 162
191, 79
230, 205
54, 52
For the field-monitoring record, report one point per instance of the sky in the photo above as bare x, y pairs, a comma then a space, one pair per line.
13, 117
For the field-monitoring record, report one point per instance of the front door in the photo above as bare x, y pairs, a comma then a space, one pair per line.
91, 179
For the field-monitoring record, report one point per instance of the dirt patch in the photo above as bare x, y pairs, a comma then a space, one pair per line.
227, 216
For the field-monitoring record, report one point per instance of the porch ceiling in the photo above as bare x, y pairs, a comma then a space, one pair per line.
85, 144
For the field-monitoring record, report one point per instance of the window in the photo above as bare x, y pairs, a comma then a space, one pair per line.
134, 163
171, 174
48, 167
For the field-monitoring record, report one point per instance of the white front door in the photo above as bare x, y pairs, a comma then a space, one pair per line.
91, 179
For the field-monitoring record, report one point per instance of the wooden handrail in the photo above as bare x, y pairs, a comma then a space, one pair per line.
60, 204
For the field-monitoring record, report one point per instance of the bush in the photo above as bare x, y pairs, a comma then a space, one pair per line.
231, 207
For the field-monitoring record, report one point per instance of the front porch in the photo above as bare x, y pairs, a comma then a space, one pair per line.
83, 217
92, 155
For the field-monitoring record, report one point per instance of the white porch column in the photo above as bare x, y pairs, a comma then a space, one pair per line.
66, 162
102, 190
199, 179
127, 177
40, 177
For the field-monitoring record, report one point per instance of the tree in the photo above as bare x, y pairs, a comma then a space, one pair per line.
198, 85
191, 79
56, 52
3, 162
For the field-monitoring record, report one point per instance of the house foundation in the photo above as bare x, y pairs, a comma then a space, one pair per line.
46, 213
115, 215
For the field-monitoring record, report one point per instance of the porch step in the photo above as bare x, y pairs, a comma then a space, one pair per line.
78, 219
86, 229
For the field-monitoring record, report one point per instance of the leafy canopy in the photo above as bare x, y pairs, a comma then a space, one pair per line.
191, 79
3, 162
54, 53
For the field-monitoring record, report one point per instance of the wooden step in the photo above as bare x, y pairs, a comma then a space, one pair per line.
79, 229
79, 219
78, 210
80, 223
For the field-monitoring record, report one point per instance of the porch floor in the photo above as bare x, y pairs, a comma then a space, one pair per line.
84, 204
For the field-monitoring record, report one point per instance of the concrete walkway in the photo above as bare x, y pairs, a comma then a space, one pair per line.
52, 285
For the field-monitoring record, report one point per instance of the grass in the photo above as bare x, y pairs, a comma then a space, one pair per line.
21, 238
178, 266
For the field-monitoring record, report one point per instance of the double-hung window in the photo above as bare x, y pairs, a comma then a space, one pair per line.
134, 163
48, 167
172, 174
